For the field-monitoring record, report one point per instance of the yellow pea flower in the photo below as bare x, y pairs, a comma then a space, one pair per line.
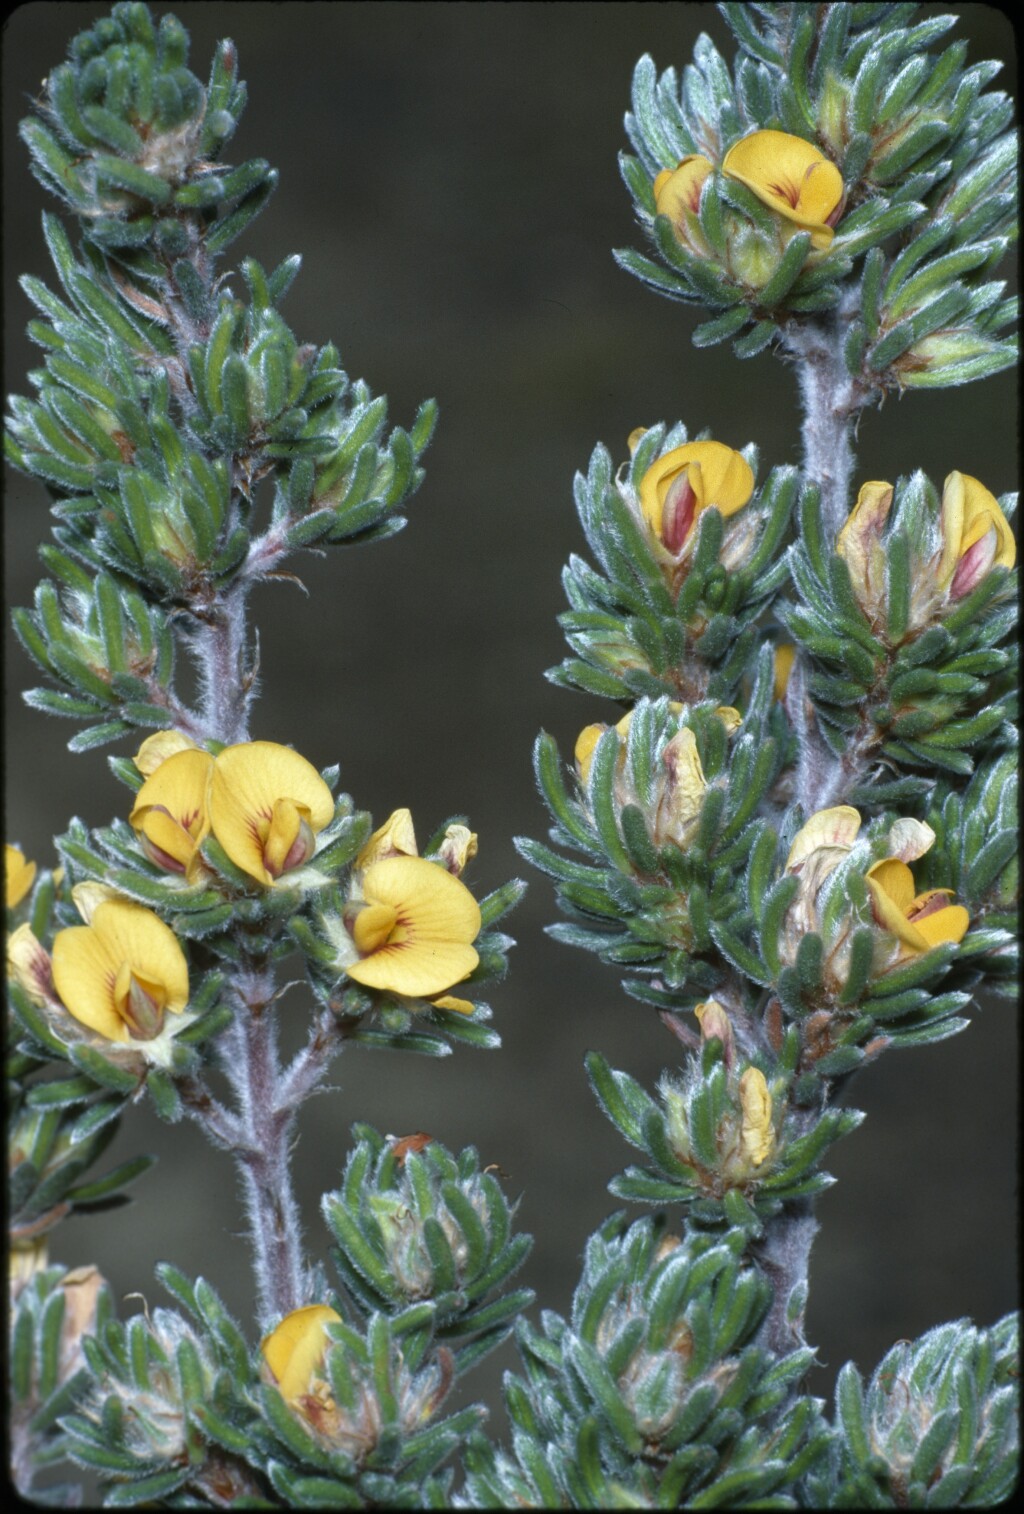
757, 1135
834, 829
683, 483
459, 845
860, 545
414, 929
294, 1353
918, 921
792, 178
395, 838
19, 875
28, 964
172, 810
677, 195
158, 747
267, 805
588, 738
714, 1022
122, 973
976, 535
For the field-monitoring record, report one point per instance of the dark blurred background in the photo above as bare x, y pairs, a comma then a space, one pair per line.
448, 172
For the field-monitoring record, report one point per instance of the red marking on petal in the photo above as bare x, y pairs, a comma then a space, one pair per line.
678, 513
974, 564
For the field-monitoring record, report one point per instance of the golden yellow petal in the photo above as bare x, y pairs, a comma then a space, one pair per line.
295, 1350
172, 807
460, 1006
981, 511
247, 781
730, 718
373, 925
396, 837
19, 875
835, 827
158, 747
890, 916
85, 968
948, 924
756, 1133
586, 741
726, 477
677, 190
87, 897
896, 880
437, 917
792, 177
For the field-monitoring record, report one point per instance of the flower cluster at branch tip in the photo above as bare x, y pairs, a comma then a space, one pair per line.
19, 875
678, 794
411, 919
918, 921
786, 173
974, 537
791, 177
120, 973
679, 486
293, 1355
262, 802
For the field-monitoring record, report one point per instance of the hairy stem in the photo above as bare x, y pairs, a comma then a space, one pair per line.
266, 1124
831, 400
218, 646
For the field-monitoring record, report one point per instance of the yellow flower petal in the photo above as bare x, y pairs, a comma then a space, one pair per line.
950, 923
248, 781
896, 881
395, 838
87, 897
792, 177
678, 486
730, 718
373, 925
88, 959
171, 810
19, 875
460, 1006
859, 543
785, 656
835, 827
158, 747
586, 741
677, 191
436, 917
294, 1352
756, 1133
969, 512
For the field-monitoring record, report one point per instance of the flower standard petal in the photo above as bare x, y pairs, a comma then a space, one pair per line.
19, 875
688, 479
395, 838
834, 828
89, 964
158, 747
294, 1351
792, 177
171, 810
427, 950
677, 195
248, 781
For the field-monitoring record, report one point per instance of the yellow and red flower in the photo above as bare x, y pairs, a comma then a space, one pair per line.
679, 486
791, 177
122, 973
